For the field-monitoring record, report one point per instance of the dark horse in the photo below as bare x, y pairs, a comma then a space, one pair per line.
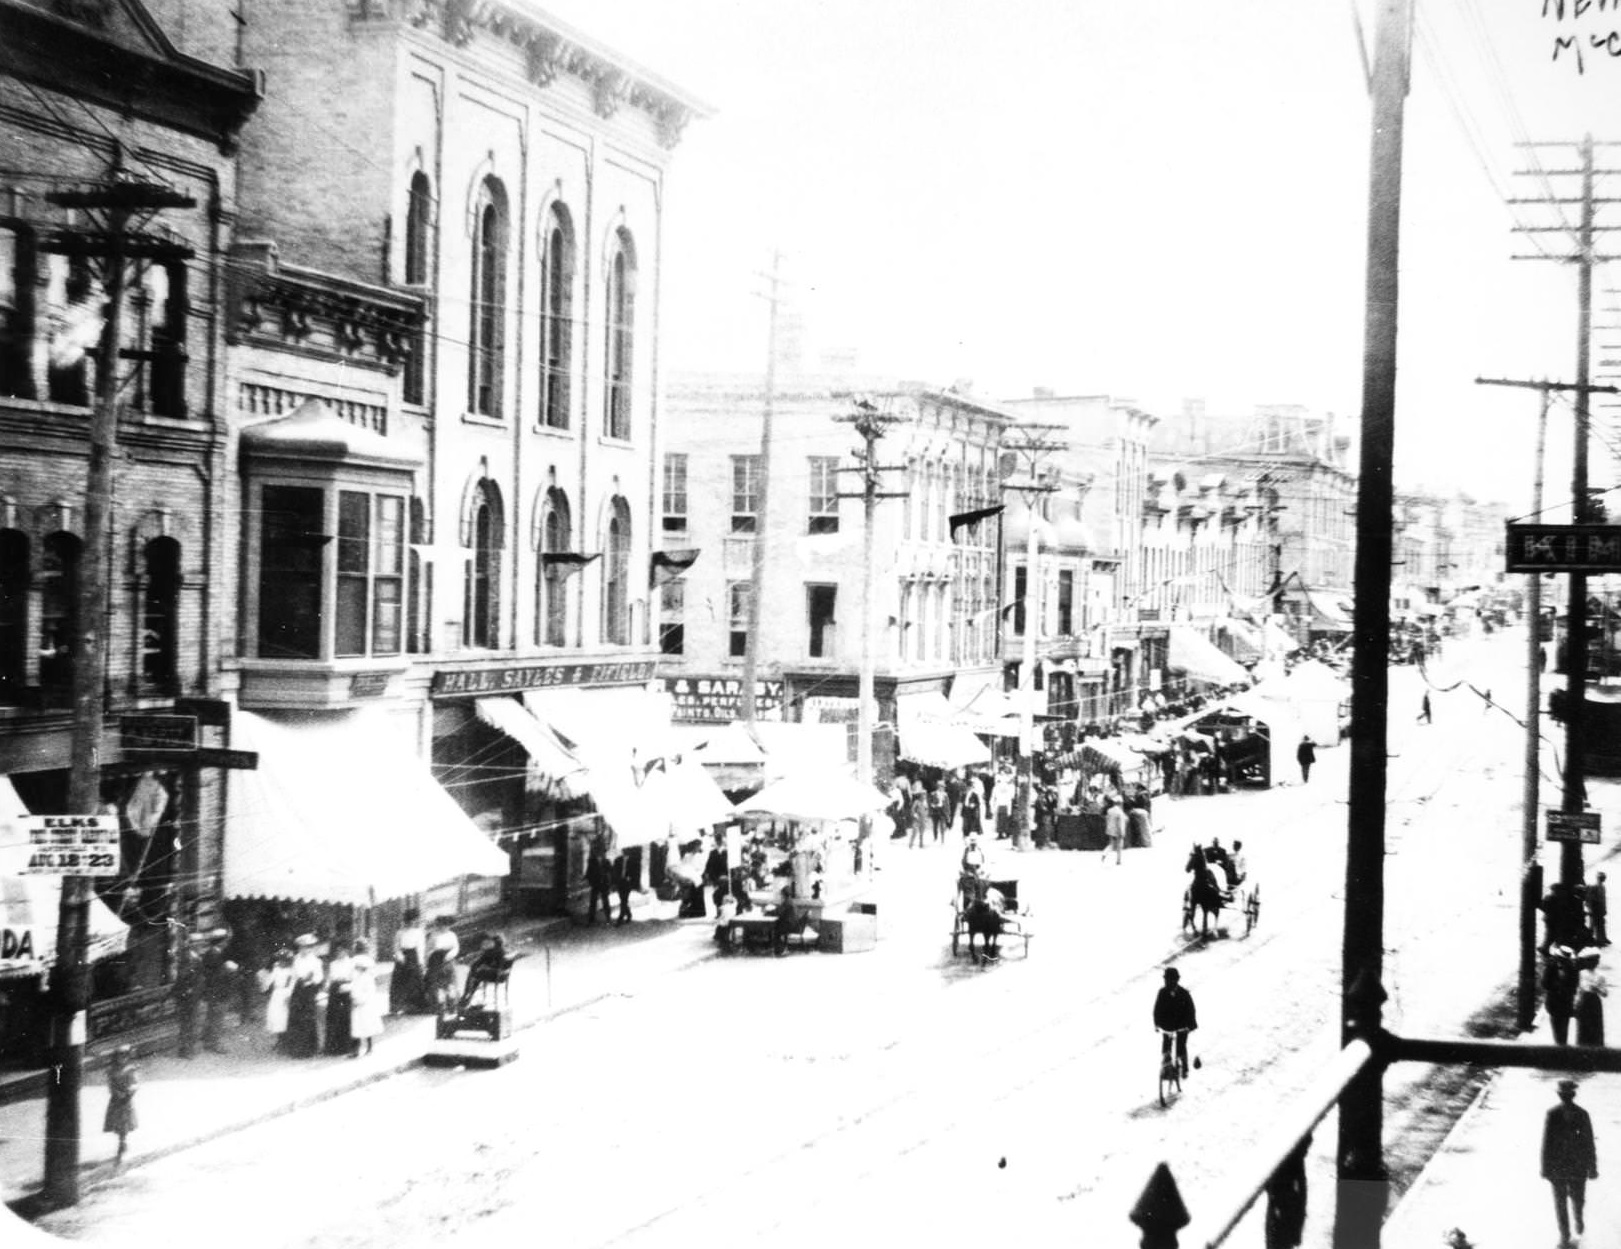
1205, 893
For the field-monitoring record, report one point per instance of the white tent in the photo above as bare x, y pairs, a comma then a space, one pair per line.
1315, 693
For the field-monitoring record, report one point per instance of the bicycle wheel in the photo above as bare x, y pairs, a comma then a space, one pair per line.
1170, 1081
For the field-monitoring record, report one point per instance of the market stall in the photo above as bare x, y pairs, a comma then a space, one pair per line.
1252, 738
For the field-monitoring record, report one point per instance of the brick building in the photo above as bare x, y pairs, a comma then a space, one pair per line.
67, 121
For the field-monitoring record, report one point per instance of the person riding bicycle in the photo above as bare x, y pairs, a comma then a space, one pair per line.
1175, 1015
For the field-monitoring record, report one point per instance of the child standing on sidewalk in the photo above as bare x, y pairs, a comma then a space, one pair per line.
121, 1081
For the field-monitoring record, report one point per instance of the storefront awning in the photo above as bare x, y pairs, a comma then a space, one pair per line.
29, 905
1244, 640
941, 745
1200, 659
1102, 755
341, 811
515, 720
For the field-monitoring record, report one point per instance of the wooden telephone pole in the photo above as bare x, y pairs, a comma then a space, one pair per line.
116, 208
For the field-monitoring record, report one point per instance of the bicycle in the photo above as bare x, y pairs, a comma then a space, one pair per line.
1170, 1074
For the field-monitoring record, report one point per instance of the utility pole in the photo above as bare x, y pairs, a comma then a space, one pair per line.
1584, 258
1032, 444
871, 423
1363, 1180
751, 648
1531, 814
123, 204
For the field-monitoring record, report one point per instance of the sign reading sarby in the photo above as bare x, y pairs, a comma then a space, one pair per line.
71, 845
453, 682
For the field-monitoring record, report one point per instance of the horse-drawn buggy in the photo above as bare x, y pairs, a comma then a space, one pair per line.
1220, 882
989, 910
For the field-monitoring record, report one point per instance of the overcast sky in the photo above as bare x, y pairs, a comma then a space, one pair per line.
1152, 200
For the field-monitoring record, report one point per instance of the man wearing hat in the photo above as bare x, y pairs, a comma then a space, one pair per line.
1569, 1157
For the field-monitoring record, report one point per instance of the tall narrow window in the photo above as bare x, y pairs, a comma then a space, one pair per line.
78, 305
486, 334
824, 494
673, 617
418, 257
58, 611
482, 626
354, 572
737, 618
291, 542
820, 604
16, 310
13, 614
387, 587
556, 320
745, 493
160, 611
1021, 583
675, 492
616, 577
418, 595
1066, 602
621, 305
553, 575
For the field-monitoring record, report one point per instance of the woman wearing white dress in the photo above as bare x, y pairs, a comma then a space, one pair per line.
279, 985
366, 1002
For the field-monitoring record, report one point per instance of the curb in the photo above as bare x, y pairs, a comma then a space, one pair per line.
1400, 1216
30, 1205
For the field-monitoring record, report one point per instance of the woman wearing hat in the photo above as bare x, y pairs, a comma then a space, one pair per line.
121, 1082
279, 990
339, 972
365, 1002
405, 983
1590, 992
303, 1038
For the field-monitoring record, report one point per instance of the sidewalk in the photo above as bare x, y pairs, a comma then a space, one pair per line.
182, 1102
1486, 1178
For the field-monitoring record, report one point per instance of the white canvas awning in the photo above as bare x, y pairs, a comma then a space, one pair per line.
340, 811
516, 721
941, 745
1199, 659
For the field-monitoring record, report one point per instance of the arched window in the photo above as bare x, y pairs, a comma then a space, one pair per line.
551, 614
13, 614
556, 319
418, 260
482, 616
621, 307
160, 611
486, 332
616, 577
58, 610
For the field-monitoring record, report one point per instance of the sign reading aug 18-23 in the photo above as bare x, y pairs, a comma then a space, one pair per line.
71, 845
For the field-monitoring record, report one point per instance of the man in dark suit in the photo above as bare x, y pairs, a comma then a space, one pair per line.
1598, 910
1569, 1157
1175, 1016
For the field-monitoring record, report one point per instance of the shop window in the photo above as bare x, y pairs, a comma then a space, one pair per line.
820, 604
675, 492
738, 594
745, 493
486, 333
58, 611
419, 217
17, 269
371, 572
824, 494
13, 614
673, 618
621, 305
291, 539
160, 612
616, 577
557, 319
553, 580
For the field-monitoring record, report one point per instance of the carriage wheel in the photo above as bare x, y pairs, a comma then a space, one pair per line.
1187, 911
1252, 910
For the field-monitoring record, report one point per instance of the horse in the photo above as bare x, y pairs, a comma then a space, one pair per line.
1206, 893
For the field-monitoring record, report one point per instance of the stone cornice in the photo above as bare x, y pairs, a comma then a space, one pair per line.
550, 49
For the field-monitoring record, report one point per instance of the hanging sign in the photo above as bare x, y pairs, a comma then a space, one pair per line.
71, 845
1580, 826
1563, 548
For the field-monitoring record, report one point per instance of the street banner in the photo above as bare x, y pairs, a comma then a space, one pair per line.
1582, 826
71, 845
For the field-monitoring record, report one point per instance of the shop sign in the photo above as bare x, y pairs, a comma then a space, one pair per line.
71, 845
718, 700
469, 682
158, 734
1564, 548
368, 684
1582, 826
131, 1011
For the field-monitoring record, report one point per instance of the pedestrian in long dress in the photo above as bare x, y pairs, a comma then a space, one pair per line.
1569, 1158
1591, 989
303, 1038
920, 821
278, 996
1114, 826
972, 823
122, 1080
1559, 984
405, 995
339, 972
444, 947
366, 1003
